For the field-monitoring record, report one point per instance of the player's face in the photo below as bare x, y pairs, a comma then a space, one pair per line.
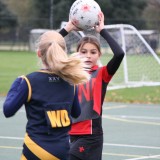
91, 53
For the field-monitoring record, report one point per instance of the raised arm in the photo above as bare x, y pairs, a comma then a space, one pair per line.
116, 60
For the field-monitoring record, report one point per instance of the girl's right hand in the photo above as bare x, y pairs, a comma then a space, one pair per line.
71, 27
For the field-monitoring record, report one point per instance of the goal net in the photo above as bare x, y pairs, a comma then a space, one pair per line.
140, 66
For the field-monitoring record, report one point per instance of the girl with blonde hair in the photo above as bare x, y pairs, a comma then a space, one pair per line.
50, 100
70, 69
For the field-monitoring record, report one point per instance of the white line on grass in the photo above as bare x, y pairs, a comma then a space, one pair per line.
135, 117
129, 120
114, 107
10, 147
105, 144
145, 157
13, 138
121, 155
130, 146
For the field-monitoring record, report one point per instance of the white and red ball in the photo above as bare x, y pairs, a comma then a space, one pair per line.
84, 13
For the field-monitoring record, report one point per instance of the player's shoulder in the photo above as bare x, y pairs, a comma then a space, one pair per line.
35, 73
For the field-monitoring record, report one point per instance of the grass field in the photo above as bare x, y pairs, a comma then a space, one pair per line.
14, 64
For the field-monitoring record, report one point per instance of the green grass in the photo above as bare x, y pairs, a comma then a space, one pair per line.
140, 68
14, 64
146, 95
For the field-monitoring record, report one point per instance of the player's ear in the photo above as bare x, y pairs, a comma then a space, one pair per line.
39, 53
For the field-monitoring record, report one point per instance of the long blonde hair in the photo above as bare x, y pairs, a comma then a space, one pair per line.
52, 48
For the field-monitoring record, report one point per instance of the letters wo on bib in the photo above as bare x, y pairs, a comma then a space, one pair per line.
57, 115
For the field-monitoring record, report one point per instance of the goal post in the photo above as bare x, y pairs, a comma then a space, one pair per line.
140, 66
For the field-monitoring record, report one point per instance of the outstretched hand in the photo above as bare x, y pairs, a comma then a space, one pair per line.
100, 25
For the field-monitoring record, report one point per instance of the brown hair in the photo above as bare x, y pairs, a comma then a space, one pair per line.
89, 39
52, 47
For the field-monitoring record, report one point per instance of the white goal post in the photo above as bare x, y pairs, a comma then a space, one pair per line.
140, 66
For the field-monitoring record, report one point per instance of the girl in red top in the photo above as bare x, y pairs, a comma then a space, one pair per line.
87, 133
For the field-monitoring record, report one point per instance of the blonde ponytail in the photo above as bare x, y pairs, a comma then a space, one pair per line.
52, 47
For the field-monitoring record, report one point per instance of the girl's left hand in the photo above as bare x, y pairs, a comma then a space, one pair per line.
100, 26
